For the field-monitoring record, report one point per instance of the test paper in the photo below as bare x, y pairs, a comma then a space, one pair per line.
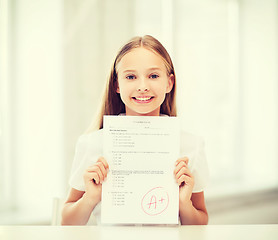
140, 187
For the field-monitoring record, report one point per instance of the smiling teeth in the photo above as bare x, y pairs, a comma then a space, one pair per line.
143, 98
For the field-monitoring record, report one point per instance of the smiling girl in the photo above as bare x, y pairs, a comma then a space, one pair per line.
142, 82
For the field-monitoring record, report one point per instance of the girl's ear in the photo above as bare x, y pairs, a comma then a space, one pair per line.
117, 88
170, 85
116, 85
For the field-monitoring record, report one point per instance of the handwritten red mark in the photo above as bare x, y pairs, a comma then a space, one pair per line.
149, 202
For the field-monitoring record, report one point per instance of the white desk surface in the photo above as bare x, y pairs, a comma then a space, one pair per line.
210, 232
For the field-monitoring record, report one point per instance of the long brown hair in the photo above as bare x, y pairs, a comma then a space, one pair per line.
111, 101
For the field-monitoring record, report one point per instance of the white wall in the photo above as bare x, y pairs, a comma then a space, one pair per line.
206, 91
38, 91
259, 75
226, 61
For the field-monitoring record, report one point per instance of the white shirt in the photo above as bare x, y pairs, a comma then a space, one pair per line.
89, 149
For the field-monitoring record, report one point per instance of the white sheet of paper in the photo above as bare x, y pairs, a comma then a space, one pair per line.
140, 187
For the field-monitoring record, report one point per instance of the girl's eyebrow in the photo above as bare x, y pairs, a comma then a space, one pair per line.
155, 68
129, 70
149, 69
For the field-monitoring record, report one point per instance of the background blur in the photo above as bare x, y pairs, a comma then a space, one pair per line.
55, 59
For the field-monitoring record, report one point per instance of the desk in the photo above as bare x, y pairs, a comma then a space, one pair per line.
210, 232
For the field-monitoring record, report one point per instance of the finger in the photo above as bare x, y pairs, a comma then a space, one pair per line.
185, 180
180, 165
104, 162
184, 159
92, 177
183, 171
101, 160
95, 178
100, 174
96, 169
99, 165
182, 180
102, 170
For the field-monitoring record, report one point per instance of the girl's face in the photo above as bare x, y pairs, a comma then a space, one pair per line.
143, 82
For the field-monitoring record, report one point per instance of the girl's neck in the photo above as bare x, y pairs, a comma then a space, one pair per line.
129, 112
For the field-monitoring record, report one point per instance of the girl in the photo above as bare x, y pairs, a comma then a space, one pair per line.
142, 82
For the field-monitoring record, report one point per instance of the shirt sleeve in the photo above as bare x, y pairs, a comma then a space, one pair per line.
88, 150
76, 180
200, 169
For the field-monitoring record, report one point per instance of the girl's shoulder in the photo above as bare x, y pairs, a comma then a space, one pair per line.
91, 138
190, 138
192, 146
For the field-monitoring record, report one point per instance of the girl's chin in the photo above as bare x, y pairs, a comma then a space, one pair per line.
140, 112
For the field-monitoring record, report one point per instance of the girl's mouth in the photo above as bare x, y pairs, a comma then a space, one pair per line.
143, 99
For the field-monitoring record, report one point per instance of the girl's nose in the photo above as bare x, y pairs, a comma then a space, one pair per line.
143, 86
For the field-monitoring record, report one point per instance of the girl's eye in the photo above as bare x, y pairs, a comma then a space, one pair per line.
130, 77
154, 76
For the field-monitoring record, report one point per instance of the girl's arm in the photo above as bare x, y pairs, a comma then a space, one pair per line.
80, 204
192, 206
77, 209
194, 211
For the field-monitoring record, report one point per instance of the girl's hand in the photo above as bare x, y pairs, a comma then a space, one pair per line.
185, 180
94, 177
